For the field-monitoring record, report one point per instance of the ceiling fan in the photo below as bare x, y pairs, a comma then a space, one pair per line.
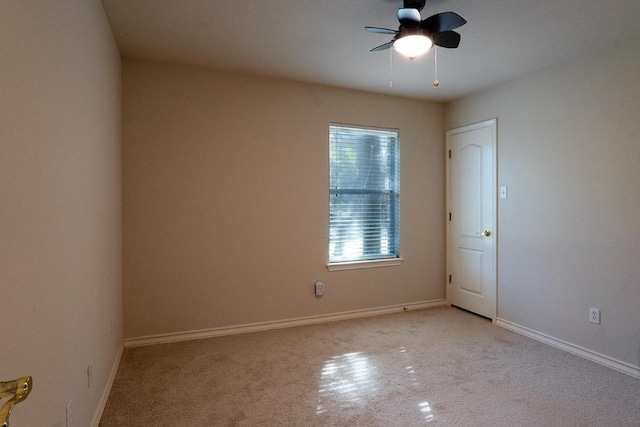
415, 36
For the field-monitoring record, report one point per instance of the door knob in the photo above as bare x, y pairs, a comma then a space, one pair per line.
17, 391
486, 233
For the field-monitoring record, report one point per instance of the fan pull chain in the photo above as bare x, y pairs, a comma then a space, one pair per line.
436, 83
390, 68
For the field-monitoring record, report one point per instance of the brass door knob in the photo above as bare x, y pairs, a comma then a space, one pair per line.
17, 390
486, 233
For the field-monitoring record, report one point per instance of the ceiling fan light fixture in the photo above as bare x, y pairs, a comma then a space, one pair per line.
413, 45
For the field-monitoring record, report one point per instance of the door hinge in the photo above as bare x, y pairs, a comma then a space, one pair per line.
449, 216
449, 153
449, 278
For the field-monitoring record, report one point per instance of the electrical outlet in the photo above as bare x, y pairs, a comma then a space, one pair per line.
319, 289
89, 373
594, 315
69, 414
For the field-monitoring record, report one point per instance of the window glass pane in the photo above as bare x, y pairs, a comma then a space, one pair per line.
364, 194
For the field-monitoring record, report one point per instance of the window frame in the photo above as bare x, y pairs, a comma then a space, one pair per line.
380, 260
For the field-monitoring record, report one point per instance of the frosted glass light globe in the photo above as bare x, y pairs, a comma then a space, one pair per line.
413, 46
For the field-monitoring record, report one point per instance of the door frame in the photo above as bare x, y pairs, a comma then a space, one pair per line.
493, 124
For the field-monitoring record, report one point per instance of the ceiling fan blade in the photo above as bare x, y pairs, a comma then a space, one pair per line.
409, 17
414, 4
381, 30
442, 22
448, 39
382, 47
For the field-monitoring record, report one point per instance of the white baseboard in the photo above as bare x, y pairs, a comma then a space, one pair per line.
607, 361
107, 389
279, 324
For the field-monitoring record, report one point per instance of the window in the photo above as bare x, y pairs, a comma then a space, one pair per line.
364, 194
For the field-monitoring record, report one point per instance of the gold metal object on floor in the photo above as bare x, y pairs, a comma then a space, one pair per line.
17, 391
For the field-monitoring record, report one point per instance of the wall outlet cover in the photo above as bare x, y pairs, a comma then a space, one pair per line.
319, 289
69, 413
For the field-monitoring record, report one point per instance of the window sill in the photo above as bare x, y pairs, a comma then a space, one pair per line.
353, 265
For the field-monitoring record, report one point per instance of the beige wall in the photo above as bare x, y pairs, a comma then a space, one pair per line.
226, 202
60, 209
569, 232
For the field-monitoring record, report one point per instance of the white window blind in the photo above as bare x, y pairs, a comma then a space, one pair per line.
364, 194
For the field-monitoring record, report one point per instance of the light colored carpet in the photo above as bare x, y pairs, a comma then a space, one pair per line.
438, 366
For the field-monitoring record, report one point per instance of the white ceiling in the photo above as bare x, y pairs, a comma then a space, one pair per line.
324, 41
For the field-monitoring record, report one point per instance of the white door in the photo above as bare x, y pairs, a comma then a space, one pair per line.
471, 221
